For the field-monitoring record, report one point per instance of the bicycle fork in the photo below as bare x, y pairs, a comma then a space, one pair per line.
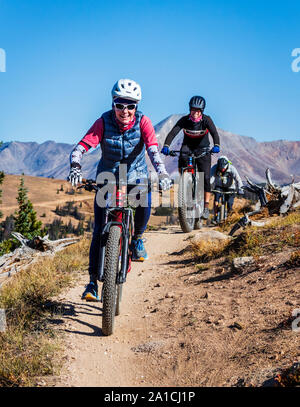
125, 258
124, 224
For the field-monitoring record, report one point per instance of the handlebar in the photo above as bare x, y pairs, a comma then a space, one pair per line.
224, 192
88, 185
91, 185
173, 153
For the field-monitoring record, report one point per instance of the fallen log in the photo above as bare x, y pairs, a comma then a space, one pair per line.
272, 200
29, 252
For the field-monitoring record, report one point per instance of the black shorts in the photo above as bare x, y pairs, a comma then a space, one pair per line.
203, 164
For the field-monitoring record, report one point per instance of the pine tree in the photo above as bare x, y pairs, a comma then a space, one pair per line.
25, 219
80, 229
7, 226
70, 227
90, 225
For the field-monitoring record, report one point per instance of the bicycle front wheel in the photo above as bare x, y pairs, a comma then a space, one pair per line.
111, 292
119, 298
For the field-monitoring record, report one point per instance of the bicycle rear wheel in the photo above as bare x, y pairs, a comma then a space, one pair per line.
186, 202
111, 292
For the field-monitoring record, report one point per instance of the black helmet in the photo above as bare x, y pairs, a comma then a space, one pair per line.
223, 164
198, 102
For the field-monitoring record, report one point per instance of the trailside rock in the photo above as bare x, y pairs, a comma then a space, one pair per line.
240, 262
210, 235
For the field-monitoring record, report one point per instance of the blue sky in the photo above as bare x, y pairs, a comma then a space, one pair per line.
63, 57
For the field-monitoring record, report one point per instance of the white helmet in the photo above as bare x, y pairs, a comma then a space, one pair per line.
127, 89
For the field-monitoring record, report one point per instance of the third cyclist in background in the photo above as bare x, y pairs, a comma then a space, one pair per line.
225, 177
196, 127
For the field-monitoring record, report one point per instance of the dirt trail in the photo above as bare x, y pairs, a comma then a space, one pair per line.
184, 326
96, 360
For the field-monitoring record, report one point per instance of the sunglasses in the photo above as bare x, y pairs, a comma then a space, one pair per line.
120, 106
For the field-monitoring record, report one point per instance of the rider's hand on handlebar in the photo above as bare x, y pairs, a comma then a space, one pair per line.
75, 175
165, 182
165, 150
215, 149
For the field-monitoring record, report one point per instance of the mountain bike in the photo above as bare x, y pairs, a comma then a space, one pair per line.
115, 255
190, 198
223, 208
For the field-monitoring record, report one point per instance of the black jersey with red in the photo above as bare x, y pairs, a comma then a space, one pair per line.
199, 139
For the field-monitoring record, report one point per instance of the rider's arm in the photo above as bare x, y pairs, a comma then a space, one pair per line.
173, 132
236, 176
213, 130
213, 174
150, 140
91, 139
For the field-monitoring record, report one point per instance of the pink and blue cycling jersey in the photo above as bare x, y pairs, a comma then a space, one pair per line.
95, 134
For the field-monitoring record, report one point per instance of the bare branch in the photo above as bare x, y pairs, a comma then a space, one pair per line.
29, 252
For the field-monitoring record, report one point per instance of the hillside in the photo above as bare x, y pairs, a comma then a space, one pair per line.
251, 158
47, 193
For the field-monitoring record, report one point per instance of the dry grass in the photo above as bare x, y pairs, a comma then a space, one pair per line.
29, 348
206, 250
280, 233
292, 218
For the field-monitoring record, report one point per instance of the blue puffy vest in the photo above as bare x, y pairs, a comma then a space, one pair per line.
122, 148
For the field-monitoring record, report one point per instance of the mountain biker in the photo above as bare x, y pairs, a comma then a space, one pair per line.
124, 134
196, 127
225, 177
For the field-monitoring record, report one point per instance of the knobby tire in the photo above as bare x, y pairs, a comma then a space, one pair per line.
110, 287
185, 187
119, 298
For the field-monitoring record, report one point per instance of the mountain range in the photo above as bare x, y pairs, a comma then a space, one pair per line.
250, 157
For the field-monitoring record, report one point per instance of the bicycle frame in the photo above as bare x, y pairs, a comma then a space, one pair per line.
123, 217
191, 167
117, 215
223, 200
190, 200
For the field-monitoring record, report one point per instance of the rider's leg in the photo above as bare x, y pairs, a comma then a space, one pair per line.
206, 198
183, 157
141, 218
91, 290
99, 214
216, 205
